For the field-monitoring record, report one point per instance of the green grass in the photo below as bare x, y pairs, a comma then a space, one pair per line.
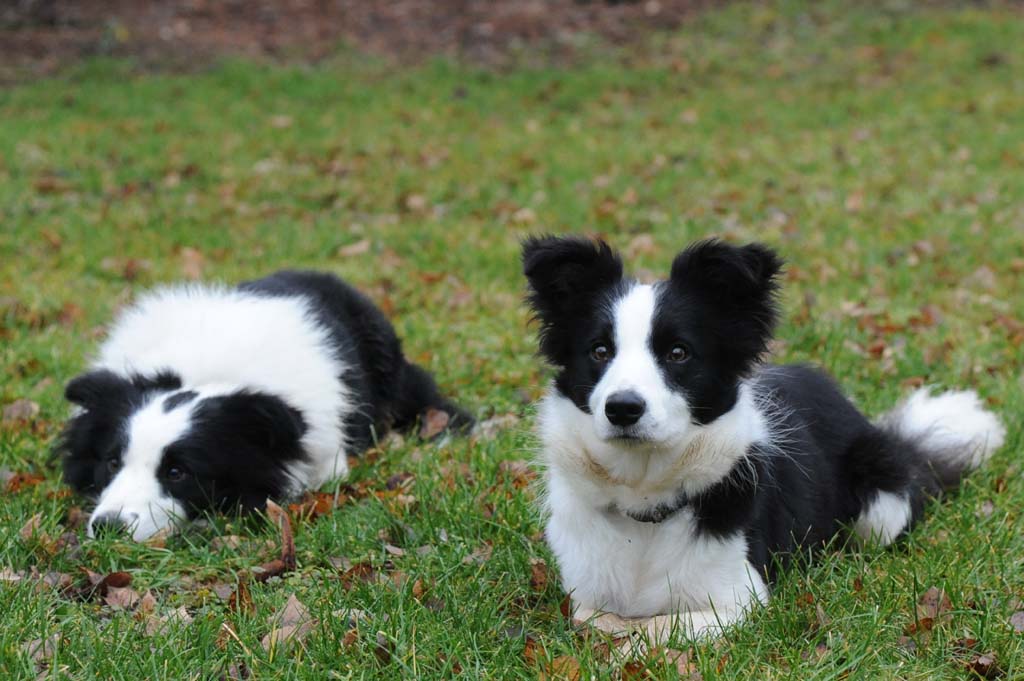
881, 151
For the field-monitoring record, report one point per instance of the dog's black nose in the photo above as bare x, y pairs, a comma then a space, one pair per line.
624, 408
108, 523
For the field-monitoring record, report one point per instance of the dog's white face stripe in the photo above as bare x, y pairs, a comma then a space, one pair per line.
135, 494
634, 368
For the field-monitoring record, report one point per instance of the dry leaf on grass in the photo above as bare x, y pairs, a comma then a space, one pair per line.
20, 481
147, 605
30, 530
159, 625
540, 574
123, 597
562, 668
1017, 621
361, 247
286, 563
363, 572
9, 575
933, 609
984, 666
519, 473
489, 428
290, 625
19, 412
40, 650
240, 599
192, 263
231, 542
434, 422
641, 244
480, 556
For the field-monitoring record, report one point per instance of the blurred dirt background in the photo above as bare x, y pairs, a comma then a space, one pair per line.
37, 37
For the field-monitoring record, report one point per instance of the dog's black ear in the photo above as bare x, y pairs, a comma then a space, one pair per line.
263, 420
163, 380
96, 388
565, 273
730, 274
742, 281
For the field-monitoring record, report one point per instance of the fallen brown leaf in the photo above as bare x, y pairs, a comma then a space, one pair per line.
383, 649
360, 572
489, 428
123, 597
231, 542
20, 481
147, 604
519, 472
641, 244
434, 422
562, 668
159, 625
9, 575
192, 263
540, 575
279, 517
293, 612
240, 599
316, 504
480, 556
40, 650
984, 666
19, 411
30, 529
1017, 621
291, 624
933, 608
361, 247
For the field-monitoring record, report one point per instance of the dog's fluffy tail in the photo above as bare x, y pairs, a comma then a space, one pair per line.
953, 431
930, 441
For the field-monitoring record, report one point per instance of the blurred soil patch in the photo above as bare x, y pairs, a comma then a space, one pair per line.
37, 37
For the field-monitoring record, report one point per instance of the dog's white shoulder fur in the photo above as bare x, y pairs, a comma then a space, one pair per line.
668, 572
217, 336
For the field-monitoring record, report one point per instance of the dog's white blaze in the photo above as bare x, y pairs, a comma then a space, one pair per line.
883, 519
635, 368
135, 494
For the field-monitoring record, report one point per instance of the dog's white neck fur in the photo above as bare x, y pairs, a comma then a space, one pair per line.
610, 562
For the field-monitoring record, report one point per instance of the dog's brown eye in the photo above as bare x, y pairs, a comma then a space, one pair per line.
113, 465
176, 474
600, 352
678, 353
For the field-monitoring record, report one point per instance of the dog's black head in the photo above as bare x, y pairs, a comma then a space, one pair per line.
153, 452
648, 360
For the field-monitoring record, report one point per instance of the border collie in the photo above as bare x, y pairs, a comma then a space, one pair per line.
681, 473
206, 398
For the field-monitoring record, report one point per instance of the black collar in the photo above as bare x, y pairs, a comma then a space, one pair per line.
659, 513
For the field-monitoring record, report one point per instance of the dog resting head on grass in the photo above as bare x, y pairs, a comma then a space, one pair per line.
680, 470
205, 398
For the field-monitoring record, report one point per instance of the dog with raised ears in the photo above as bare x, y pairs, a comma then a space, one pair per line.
681, 472
207, 398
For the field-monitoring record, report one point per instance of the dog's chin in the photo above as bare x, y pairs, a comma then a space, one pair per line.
627, 438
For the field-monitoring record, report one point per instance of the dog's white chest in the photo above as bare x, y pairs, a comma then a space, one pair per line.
610, 562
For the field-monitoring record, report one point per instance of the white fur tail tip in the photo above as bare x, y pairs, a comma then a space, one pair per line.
952, 426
